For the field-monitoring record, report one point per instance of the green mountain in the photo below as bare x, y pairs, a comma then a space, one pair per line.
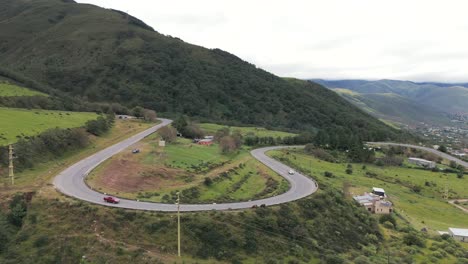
109, 56
441, 97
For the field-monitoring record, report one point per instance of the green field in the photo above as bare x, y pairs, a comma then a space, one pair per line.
17, 123
254, 131
424, 209
7, 89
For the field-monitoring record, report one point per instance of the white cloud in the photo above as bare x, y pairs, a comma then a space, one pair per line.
369, 39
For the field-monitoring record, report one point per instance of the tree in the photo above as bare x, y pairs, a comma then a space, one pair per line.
149, 115
460, 174
227, 144
453, 164
137, 111
193, 131
180, 123
168, 133
18, 210
222, 132
442, 148
349, 169
237, 136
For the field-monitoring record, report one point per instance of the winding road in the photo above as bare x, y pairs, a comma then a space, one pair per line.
431, 150
71, 181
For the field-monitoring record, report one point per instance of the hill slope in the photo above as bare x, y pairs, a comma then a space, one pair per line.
449, 98
109, 56
394, 107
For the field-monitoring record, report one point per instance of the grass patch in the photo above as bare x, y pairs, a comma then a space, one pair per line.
17, 123
254, 131
43, 173
8, 89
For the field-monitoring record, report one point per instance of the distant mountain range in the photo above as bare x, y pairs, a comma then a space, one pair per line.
404, 101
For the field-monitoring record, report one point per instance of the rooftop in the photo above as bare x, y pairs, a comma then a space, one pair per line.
376, 189
459, 231
418, 159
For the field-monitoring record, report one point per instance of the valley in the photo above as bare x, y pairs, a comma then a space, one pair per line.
120, 143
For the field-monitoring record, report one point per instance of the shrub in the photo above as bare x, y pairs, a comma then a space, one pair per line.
41, 241
413, 238
329, 174
416, 188
388, 218
208, 181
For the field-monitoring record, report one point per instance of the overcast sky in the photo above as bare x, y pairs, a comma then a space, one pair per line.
332, 39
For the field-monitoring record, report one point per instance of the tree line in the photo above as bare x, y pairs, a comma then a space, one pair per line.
54, 143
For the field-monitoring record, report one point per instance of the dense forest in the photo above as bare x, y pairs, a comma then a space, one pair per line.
103, 55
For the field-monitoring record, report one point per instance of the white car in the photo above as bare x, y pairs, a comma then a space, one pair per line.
291, 172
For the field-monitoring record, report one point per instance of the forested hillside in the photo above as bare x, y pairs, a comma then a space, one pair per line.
109, 56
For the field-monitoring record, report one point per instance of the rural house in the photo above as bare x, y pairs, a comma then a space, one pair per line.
459, 234
422, 162
374, 203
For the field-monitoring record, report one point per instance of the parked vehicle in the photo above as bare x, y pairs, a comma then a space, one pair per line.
136, 151
110, 199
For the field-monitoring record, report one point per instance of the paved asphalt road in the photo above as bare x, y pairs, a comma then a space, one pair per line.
71, 181
440, 154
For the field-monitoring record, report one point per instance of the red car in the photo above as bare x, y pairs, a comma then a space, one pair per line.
110, 199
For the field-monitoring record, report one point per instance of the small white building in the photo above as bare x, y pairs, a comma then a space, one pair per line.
422, 162
378, 191
459, 234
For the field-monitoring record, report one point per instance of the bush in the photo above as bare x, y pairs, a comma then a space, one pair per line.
413, 239
416, 188
388, 218
208, 181
329, 174
41, 241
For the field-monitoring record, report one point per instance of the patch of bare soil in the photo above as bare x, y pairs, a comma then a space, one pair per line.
126, 175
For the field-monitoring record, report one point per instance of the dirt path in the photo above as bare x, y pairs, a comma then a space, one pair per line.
459, 206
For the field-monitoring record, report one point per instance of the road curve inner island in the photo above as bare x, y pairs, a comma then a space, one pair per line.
71, 181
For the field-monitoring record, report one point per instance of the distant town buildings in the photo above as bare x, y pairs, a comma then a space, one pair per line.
375, 203
422, 162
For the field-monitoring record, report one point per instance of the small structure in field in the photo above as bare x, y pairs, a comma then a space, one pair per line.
206, 142
422, 162
374, 203
459, 234
162, 143
378, 191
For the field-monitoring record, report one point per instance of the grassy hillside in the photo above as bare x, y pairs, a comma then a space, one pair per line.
394, 107
17, 123
426, 208
128, 62
8, 89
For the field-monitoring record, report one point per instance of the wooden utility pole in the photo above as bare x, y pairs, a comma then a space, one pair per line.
11, 172
178, 224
